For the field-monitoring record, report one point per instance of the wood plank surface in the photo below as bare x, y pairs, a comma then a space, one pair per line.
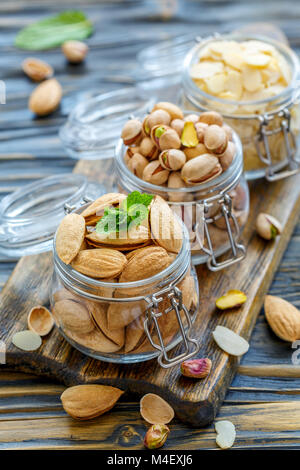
137, 22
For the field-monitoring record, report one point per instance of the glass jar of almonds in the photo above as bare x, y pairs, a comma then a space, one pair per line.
125, 293
252, 82
195, 163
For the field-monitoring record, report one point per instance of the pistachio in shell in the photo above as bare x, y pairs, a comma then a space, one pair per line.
155, 118
148, 149
89, 401
69, 237
137, 164
215, 139
177, 125
173, 110
164, 137
40, 320
154, 173
194, 152
132, 132
211, 117
201, 169
172, 160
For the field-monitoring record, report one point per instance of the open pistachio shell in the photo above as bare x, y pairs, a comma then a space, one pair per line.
155, 410
40, 320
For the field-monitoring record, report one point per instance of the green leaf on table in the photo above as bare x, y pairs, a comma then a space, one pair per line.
54, 31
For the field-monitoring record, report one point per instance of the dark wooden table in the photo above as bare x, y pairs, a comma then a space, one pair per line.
263, 400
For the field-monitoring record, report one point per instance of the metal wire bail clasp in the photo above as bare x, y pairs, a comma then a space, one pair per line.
153, 313
290, 146
238, 251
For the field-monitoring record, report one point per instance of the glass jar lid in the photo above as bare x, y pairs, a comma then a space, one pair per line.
164, 58
29, 217
93, 127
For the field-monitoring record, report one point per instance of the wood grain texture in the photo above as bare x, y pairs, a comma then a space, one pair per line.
194, 403
24, 138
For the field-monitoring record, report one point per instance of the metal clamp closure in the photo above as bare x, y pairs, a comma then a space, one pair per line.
68, 208
153, 313
238, 251
263, 147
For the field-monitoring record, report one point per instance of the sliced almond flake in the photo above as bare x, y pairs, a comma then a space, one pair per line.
252, 79
233, 59
234, 83
230, 341
216, 84
257, 60
226, 434
27, 340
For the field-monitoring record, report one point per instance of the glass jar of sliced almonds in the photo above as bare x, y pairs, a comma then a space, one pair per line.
253, 82
124, 289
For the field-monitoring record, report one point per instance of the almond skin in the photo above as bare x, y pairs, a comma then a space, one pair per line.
145, 263
69, 237
45, 98
100, 262
89, 401
283, 318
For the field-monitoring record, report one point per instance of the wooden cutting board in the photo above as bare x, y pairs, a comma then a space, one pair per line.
195, 402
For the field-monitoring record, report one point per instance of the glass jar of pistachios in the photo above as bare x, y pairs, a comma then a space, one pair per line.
253, 82
124, 290
195, 163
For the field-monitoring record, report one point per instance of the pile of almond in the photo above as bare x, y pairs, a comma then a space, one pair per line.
144, 251
178, 151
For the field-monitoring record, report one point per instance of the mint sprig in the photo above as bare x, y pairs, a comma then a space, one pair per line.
133, 210
54, 31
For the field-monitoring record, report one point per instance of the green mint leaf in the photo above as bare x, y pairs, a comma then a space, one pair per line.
133, 210
54, 31
137, 198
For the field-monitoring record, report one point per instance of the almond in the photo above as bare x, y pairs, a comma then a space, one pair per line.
98, 312
145, 263
69, 237
37, 69
283, 318
166, 230
89, 401
121, 314
46, 97
230, 341
109, 199
95, 340
73, 316
100, 262
226, 434
136, 236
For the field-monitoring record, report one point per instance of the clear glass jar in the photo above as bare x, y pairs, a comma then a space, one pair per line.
268, 128
93, 127
128, 322
214, 212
